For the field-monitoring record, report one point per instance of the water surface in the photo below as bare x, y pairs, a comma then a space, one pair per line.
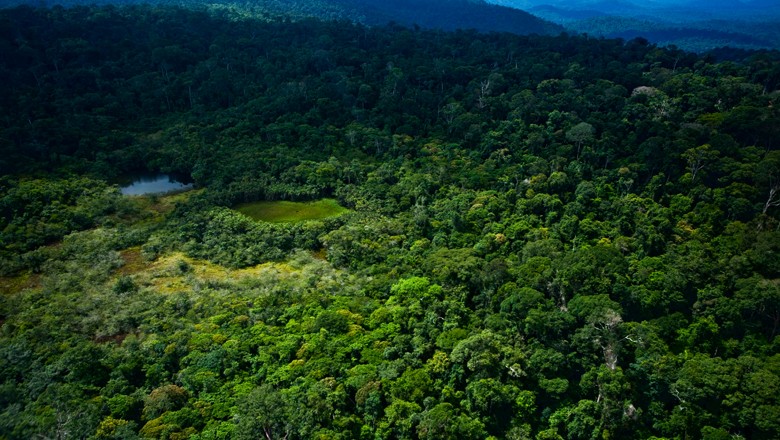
154, 184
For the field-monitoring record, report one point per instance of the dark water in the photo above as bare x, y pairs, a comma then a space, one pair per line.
154, 184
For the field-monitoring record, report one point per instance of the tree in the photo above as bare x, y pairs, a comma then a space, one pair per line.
480, 353
698, 158
264, 413
436, 423
399, 420
769, 175
492, 401
579, 134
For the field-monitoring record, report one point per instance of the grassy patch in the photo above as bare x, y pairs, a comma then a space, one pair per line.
163, 204
151, 209
18, 283
283, 211
133, 261
176, 272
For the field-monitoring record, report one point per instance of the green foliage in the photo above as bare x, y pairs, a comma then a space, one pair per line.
549, 237
163, 399
38, 212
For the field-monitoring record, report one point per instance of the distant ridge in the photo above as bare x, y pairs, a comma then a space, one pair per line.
700, 36
453, 14
694, 25
435, 14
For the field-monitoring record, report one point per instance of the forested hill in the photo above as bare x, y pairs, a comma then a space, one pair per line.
538, 237
452, 15
434, 14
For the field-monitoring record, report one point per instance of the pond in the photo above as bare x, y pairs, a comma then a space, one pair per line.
283, 211
154, 184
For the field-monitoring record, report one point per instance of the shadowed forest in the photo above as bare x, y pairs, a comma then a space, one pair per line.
539, 237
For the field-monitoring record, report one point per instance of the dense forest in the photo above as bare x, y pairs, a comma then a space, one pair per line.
434, 14
544, 237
